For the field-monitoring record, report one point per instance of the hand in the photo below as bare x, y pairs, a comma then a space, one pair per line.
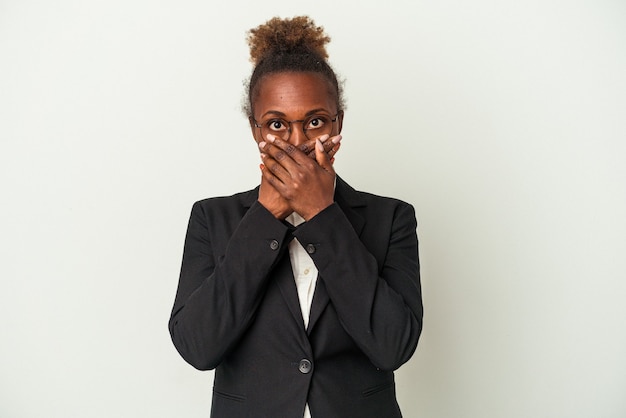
331, 146
272, 200
306, 184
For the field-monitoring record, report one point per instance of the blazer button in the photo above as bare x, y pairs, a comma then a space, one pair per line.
305, 366
310, 248
274, 244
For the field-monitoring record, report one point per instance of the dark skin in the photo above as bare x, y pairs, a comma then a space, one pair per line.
297, 174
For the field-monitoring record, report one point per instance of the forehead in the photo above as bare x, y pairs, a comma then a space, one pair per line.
294, 94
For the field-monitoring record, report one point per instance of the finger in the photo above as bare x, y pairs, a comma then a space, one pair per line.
328, 145
288, 155
322, 157
268, 173
279, 161
276, 172
334, 150
309, 146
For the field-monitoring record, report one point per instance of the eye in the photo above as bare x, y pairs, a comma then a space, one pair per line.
276, 125
316, 122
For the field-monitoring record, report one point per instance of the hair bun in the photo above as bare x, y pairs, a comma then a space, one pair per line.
287, 35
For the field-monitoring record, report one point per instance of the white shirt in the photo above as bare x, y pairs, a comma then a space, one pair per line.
305, 275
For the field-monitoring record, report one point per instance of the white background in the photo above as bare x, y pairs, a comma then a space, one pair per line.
503, 122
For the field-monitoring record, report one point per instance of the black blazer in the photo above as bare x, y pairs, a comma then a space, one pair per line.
237, 309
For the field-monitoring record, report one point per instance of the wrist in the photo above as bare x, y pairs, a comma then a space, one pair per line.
310, 212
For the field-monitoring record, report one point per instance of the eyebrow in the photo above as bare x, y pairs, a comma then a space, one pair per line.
307, 114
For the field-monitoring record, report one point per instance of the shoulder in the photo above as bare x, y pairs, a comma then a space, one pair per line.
374, 215
241, 199
357, 198
222, 212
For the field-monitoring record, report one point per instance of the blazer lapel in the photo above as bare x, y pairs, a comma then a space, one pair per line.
287, 285
318, 304
347, 199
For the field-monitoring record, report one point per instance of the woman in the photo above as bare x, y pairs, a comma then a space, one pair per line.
303, 294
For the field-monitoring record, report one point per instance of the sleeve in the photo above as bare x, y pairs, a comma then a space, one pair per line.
380, 307
218, 294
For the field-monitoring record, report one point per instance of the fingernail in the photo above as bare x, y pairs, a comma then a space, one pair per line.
261, 166
271, 137
263, 155
336, 139
318, 145
262, 144
324, 137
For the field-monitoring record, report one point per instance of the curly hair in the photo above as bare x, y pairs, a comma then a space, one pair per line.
284, 45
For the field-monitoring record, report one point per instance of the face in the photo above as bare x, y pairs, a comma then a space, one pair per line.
295, 96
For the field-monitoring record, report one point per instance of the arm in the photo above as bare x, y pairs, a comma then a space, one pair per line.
379, 307
218, 296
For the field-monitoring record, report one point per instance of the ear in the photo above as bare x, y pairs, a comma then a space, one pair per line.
340, 121
254, 129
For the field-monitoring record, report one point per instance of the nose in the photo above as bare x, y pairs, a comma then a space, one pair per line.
297, 135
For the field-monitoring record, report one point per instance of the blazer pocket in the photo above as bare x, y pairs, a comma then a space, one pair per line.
376, 389
229, 396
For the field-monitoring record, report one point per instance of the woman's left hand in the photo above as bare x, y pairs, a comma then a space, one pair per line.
308, 185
